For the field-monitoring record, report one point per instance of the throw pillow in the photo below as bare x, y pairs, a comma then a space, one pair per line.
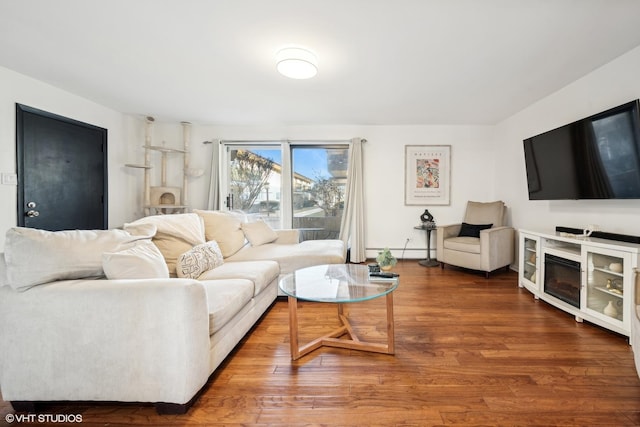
176, 234
142, 261
258, 233
224, 228
37, 256
472, 230
199, 259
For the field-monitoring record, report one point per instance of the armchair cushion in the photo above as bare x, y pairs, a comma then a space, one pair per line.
472, 230
485, 213
463, 244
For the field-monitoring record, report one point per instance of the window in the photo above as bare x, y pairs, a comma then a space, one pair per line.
317, 176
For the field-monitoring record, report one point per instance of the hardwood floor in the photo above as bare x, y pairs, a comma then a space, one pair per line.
469, 351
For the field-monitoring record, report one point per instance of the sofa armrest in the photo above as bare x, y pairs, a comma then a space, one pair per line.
121, 340
288, 236
497, 247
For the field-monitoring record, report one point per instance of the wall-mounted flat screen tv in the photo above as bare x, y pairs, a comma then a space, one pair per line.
594, 158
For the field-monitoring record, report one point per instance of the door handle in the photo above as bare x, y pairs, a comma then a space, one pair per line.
32, 213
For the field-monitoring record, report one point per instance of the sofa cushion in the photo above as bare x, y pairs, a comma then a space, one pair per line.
463, 244
199, 259
142, 261
472, 230
292, 257
260, 273
258, 232
175, 234
225, 298
224, 228
37, 256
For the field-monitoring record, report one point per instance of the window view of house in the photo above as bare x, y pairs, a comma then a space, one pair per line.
318, 180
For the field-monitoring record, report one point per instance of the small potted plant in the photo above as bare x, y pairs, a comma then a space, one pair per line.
386, 260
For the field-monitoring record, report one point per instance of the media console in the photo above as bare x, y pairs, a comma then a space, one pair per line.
589, 277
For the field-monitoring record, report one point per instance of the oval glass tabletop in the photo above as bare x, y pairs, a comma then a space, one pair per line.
337, 283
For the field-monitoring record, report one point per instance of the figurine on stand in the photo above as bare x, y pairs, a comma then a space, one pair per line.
427, 219
428, 225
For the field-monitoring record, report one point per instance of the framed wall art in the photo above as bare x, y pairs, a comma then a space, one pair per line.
427, 170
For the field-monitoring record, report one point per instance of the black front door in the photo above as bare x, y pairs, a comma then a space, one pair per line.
62, 172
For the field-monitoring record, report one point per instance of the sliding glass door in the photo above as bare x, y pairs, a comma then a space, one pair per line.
306, 190
319, 181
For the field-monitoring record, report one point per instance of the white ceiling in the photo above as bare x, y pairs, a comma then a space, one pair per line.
380, 62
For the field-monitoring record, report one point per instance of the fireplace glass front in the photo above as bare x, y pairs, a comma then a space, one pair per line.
562, 279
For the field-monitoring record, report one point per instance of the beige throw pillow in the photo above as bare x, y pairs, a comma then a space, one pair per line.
224, 228
201, 258
258, 233
142, 261
175, 234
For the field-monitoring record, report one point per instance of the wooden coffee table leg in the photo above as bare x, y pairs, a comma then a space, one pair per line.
293, 328
390, 325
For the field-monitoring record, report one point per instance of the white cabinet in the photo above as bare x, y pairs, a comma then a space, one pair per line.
589, 278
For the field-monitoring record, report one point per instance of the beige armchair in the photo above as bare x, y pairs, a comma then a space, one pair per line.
482, 242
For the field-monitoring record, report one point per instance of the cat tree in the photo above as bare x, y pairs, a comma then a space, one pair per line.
164, 199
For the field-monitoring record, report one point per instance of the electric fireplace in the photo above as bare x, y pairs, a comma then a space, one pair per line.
562, 279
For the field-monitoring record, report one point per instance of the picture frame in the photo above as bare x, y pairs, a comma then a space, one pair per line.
427, 175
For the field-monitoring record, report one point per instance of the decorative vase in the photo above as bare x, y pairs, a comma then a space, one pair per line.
610, 310
385, 267
616, 267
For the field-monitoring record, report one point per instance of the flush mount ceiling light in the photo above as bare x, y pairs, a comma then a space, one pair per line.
296, 63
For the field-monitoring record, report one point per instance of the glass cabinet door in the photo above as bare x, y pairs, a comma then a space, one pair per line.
605, 284
529, 263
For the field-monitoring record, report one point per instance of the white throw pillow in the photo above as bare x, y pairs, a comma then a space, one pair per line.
175, 234
224, 228
199, 259
142, 261
37, 256
259, 233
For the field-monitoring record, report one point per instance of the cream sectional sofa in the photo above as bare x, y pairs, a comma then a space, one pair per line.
180, 292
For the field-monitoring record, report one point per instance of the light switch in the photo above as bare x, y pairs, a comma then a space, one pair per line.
9, 179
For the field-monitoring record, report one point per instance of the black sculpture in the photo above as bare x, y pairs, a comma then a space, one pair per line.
426, 216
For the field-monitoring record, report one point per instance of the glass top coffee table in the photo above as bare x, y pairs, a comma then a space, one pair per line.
338, 284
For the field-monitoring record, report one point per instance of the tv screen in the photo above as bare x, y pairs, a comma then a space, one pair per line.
594, 158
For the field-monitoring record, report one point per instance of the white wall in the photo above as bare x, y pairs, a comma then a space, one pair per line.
17, 88
487, 162
606, 87
389, 221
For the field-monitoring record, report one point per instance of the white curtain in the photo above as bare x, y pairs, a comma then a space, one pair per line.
286, 187
352, 227
213, 198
